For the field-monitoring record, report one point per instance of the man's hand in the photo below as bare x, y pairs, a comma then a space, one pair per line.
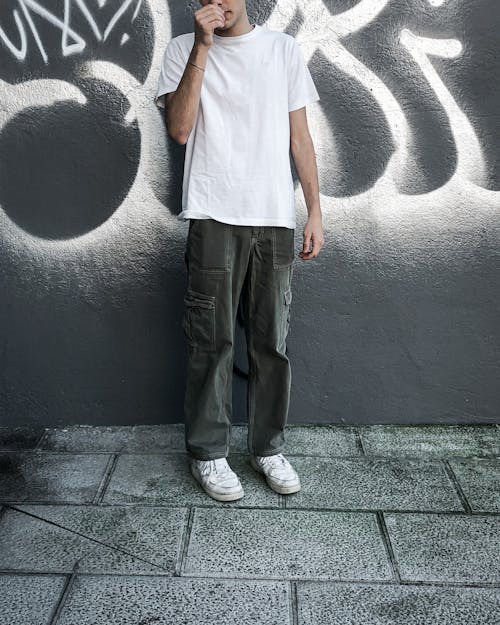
206, 20
313, 231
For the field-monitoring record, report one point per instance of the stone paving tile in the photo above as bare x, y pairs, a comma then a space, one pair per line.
136, 438
317, 440
480, 482
444, 441
373, 483
281, 544
175, 601
101, 539
126, 439
41, 476
445, 547
383, 604
167, 479
29, 599
18, 438
308, 440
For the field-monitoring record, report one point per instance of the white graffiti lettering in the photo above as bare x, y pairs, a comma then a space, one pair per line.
71, 41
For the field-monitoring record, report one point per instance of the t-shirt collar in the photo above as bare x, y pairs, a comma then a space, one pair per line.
228, 41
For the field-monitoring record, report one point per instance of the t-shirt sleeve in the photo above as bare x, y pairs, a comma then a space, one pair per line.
301, 87
171, 71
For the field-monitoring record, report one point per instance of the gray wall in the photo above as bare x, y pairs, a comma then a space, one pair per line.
395, 321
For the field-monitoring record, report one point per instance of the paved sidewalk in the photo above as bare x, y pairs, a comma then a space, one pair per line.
394, 525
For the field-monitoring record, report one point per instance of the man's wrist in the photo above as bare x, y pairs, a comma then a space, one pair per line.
198, 57
315, 213
200, 48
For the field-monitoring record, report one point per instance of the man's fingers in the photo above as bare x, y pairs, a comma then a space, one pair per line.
213, 13
306, 252
212, 8
316, 248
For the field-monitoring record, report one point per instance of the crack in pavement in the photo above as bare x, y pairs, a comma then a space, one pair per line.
89, 538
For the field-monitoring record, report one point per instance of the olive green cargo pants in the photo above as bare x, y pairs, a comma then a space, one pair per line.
226, 262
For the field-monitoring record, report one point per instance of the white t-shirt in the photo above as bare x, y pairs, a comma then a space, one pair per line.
237, 161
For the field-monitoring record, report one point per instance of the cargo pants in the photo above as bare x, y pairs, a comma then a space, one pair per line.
226, 263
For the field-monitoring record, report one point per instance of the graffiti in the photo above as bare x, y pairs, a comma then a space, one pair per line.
404, 300
320, 31
470, 163
388, 123
71, 41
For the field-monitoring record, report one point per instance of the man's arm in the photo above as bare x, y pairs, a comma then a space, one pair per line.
181, 105
302, 149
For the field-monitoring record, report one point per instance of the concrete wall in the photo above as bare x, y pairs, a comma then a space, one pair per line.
397, 320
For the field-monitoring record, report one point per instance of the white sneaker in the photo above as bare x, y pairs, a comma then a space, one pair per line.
280, 475
217, 479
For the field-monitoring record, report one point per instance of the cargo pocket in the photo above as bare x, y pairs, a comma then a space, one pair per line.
283, 240
198, 320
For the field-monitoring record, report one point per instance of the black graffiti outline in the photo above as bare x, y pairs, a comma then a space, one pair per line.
319, 25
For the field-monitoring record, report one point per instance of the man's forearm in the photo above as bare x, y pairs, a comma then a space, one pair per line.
305, 164
182, 108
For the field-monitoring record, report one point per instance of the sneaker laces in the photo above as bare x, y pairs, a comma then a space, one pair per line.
274, 460
219, 465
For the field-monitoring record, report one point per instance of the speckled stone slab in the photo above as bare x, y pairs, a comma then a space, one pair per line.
480, 482
166, 479
373, 484
383, 604
29, 599
99, 539
50, 477
175, 601
444, 441
445, 547
18, 438
305, 440
309, 440
133, 438
286, 544
127, 439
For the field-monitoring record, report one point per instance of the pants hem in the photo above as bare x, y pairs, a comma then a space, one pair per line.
269, 452
212, 456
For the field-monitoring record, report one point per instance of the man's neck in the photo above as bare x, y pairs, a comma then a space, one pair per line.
236, 30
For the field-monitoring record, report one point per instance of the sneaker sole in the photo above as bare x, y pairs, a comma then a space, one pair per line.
278, 488
218, 496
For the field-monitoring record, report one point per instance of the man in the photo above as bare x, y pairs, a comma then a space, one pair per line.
235, 93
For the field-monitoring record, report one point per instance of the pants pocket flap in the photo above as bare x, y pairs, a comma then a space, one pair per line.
195, 298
